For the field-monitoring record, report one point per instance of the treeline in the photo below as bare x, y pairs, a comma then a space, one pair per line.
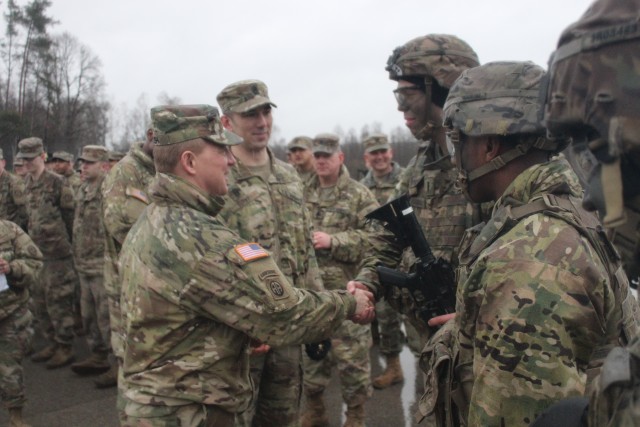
403, 144
51, 85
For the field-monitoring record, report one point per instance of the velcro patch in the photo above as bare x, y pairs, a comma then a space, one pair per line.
138, 194
250, 251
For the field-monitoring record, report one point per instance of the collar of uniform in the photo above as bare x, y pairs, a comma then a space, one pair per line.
142, 158
175, 189
243, 172
553, 177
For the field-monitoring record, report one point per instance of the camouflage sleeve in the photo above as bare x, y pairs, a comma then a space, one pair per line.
531, 327
20, 202
402, 187
313, 275
351, 245
27, 260
67, 207
123, 202
383, 249
254, 297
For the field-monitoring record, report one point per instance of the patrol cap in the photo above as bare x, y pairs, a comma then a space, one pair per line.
173, 124
303, 142
62, 155
18, 162
328, 143
376, 141
243, 96
29, 148
94, 153
115, 156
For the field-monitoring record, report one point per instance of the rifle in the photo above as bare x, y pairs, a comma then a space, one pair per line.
432, 283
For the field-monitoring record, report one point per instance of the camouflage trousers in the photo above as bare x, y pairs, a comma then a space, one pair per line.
195, 415
15, 337
350, 346
53, 297
277, 379
391, 337
116, 325
95, 313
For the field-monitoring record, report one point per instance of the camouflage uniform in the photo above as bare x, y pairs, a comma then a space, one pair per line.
339, 211
25, 260
429, 179
12, 199
73, 180
88, 254
302, 142
50, 207
541, 292
599, 110
525, 299
193, 303
124, 197
272, 213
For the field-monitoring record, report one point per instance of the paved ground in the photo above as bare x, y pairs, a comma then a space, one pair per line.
59, 398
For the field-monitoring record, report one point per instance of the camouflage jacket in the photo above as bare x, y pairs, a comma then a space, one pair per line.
536, 301
442, 210
339, 211
194, 295
383, 187
12, 199
124, 197
50, 207
25, 260
273, 214
88, 229
73, 180
306, 176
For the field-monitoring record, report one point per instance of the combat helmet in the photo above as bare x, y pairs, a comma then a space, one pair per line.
440, 56
593, 96
432, 62
498, 98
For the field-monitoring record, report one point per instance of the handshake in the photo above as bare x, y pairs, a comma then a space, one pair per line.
365, 302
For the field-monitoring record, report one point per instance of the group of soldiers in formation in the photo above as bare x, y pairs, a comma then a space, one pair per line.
204, 263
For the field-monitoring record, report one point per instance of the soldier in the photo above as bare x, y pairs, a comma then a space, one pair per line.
20, 260
124, 197
62, 164
50, 208
538, 297
18, 168
381, 179
301, 157
115, 157
338, 205
88, 254
196, 295
425, 68
592, 98
265, 205
12, 197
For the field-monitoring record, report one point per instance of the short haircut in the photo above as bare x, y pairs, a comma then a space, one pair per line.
166, 157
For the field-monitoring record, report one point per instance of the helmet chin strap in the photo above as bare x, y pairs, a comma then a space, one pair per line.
427, 131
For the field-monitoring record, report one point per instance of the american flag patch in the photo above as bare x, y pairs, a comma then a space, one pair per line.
250, 251
138, 194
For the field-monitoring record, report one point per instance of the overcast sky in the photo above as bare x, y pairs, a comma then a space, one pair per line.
323, 61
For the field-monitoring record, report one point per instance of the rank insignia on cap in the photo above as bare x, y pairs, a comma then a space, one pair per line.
250, 251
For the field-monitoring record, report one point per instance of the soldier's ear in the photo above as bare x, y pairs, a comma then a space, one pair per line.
188, 162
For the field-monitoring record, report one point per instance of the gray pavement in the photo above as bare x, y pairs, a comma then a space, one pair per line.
59, 398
